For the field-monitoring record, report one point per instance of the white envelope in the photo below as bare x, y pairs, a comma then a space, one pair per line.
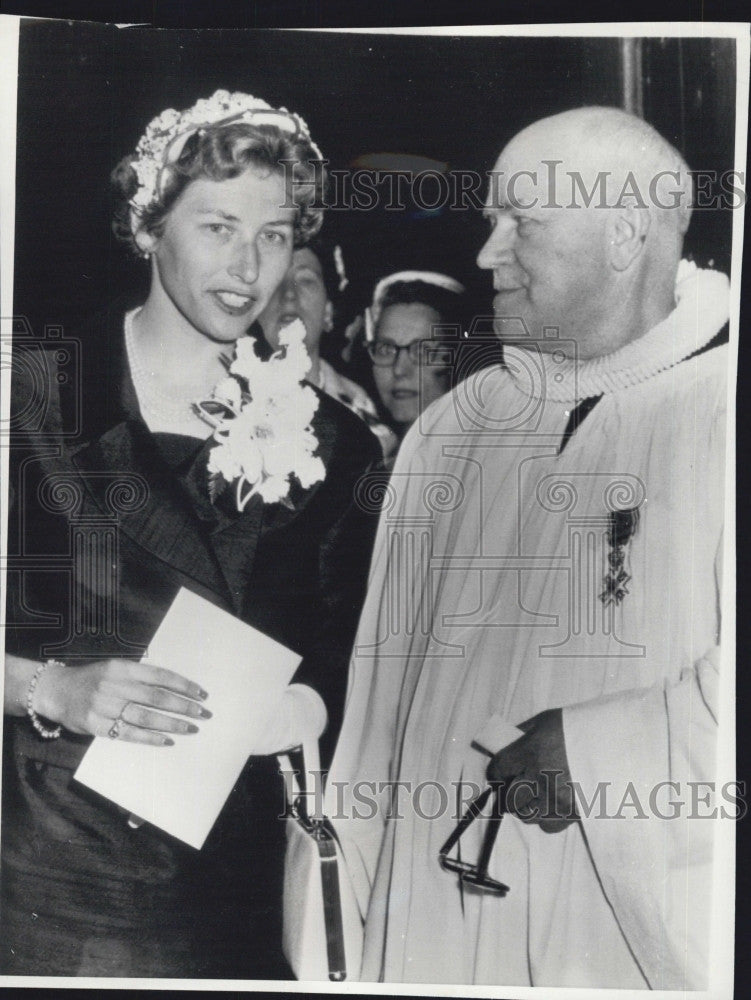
182, 788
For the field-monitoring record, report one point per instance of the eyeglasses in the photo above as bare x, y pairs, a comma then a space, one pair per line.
470, 874
385, 353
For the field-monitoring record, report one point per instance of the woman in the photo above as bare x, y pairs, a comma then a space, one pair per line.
216, 197
307, 293
413, 330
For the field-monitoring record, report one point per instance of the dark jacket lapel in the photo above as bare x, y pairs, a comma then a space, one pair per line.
231, 535
174, 517
160, 520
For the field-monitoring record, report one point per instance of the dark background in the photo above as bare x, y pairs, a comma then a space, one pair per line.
87, 91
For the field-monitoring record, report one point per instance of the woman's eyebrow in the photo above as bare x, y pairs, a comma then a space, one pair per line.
208, 210
218, 211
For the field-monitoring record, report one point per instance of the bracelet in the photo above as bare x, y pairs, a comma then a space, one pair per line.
46, 734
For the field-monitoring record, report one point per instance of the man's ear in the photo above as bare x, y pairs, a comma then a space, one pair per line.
144, 240
628, 234
328, 317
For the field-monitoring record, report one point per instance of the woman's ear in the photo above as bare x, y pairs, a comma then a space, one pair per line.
144, 240
328, 317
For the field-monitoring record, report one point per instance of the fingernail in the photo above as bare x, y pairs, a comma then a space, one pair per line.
202, 693
205, 713
167, 741
191, 728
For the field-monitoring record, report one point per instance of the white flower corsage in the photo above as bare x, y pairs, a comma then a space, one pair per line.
261, 415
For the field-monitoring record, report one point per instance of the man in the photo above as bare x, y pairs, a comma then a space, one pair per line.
544, 600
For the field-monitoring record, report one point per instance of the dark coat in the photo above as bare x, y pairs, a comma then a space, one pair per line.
107, 521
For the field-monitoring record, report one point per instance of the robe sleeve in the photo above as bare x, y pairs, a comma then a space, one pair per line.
652, 842
655, 749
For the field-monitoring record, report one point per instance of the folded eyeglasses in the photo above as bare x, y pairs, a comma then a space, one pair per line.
477, 874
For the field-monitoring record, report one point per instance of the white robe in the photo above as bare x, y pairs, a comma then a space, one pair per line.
484, 604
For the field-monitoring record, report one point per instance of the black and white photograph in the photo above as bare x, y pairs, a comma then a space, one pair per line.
368, 507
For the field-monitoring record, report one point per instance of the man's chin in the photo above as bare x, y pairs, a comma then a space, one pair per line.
512, 329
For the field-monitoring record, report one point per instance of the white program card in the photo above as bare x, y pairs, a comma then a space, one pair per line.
182, 788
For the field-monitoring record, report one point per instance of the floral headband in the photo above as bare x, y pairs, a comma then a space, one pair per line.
165, 138
373, 312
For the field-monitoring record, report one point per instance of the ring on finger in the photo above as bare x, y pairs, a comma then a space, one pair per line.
115, 728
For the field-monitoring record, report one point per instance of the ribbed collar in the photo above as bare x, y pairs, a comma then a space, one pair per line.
702, 309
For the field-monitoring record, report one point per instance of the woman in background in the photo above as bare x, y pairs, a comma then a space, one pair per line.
414, 329
216, 198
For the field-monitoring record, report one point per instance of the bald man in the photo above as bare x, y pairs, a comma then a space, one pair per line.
543, 610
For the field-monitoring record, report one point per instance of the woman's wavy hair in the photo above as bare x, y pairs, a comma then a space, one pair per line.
221, 153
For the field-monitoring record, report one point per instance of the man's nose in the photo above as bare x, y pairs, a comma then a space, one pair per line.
244, 264
499, 246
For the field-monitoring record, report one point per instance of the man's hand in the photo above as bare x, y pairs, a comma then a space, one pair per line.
535, 771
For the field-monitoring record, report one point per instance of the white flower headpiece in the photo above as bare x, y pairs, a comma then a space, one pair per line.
373, 312
165, 138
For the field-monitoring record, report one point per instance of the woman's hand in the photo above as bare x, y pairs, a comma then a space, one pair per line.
90, 699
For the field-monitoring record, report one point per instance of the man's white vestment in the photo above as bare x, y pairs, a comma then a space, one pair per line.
512, 575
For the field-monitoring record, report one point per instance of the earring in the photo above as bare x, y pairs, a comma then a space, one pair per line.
142, 244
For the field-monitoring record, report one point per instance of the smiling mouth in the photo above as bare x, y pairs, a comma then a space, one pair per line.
234, 303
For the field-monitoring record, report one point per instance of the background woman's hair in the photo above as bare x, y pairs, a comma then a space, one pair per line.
450, 306
220, 153
323, 248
